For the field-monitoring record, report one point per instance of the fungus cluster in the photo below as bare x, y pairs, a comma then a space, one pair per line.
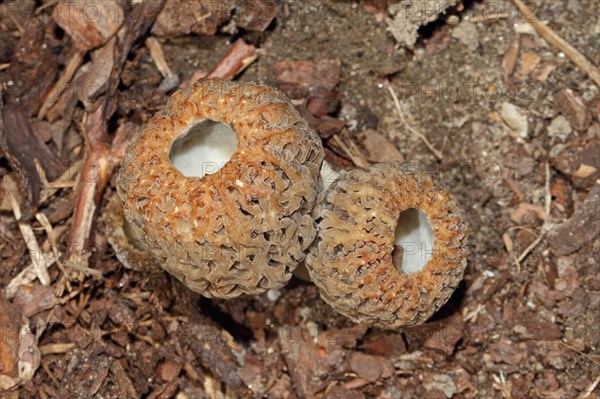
231, 226
223, 190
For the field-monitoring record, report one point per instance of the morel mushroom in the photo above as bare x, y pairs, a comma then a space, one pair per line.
132, 252
236, 224
371, 267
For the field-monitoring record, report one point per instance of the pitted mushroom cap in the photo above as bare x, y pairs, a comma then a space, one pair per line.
351, 260
244, 228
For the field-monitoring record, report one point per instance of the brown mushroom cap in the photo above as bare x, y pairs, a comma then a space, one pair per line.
351, 261
244, 228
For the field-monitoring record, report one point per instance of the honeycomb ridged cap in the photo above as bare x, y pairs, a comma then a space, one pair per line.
243, 229
351, 260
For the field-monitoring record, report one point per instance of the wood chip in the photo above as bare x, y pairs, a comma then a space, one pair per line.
509, 61
542, 72
239, 56
126, 387
32, 300
378, 147
529, 61
19, 354
572, 107
182, 17
255, 15
22, 148
585, 171
10, 320
518, 214
50, 349
89, 23
96, 79
171, 80
580, 229
297, 78
366, 366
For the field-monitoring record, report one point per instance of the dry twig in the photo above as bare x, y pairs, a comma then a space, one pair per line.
488, 17
547, 207
590, 389
171, 79
37, 257
25, 276
239, 56
61, 85
349, 149
552, 37
430, 146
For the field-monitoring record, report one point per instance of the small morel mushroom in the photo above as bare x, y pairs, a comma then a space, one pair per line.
132, 252
375, 263
232, 214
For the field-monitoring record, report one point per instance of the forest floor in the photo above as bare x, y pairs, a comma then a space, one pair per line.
512, 131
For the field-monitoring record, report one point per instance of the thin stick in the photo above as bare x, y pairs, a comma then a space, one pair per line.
239, 56
17, 23
158, 56
351, 151
61, 85
171, 80
473, 314
35, 252
548, 204
588, 357
25, 276
488, 17
92, 180
98, 166
551, 37
430, 146
43, 220
590, 389
57, 348
510, 249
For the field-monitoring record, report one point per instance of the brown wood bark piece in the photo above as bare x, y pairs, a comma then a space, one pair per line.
22, 147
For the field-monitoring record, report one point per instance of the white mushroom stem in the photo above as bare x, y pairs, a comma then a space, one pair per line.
204, 149
415, 235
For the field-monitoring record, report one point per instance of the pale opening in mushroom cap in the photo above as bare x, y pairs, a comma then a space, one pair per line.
204, 149
415, 236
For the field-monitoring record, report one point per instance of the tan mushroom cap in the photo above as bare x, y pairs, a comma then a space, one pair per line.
351, 261
129, 249
244, 228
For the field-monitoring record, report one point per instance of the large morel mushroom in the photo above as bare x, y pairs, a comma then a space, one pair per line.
369, 266
239, 225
